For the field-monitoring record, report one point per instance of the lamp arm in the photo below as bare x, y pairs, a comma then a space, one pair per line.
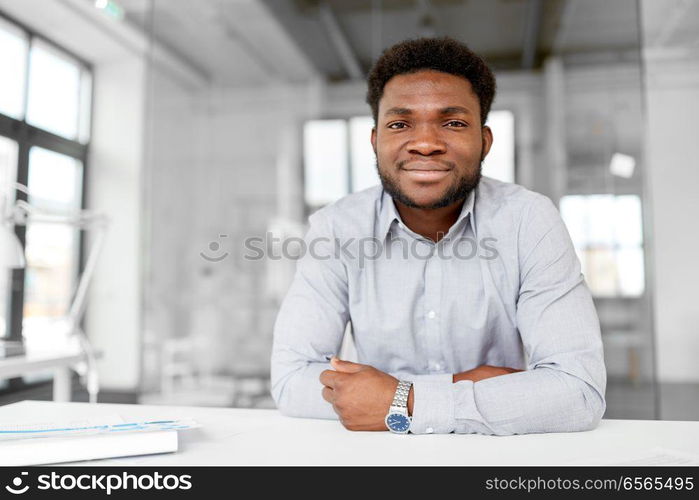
77, 308
24, 212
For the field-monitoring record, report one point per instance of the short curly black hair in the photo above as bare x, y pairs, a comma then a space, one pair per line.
440, 54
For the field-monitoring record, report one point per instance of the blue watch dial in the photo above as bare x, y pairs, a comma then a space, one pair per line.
398, 422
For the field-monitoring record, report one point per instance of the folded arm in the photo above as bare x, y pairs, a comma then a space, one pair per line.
310, 326
563, 388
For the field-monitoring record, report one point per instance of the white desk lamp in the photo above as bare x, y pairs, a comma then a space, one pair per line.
12, 256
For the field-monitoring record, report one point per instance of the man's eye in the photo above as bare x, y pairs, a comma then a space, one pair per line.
455, 123
397, 125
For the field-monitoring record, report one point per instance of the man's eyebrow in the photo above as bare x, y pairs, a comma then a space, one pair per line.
399, 111
452, 110
449, 110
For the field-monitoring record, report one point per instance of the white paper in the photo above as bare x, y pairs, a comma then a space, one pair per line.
662, 456
651, 456
78, 427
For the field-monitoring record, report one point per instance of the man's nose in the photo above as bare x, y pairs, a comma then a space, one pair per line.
426, 141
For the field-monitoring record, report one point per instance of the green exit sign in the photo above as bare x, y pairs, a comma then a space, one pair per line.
110, 8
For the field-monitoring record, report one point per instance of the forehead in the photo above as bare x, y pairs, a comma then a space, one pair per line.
428, 89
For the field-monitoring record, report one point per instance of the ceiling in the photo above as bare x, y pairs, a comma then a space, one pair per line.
229, 42
247, 42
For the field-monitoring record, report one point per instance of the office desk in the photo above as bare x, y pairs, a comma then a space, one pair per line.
56, 362
257, 437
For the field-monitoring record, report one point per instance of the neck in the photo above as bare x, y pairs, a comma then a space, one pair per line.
431, 223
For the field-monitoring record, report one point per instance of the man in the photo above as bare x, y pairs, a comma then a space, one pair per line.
485, 324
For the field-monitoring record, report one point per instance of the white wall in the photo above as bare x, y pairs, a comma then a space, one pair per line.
114, 188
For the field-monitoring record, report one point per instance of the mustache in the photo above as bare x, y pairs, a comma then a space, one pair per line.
449, 164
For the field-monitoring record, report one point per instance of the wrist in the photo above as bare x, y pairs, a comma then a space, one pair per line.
458, 377
398, 418
411, 400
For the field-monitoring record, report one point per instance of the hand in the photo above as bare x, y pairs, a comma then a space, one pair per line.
483, 372
360, 394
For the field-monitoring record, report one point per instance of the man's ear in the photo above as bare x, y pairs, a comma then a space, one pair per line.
487, 138
373, 139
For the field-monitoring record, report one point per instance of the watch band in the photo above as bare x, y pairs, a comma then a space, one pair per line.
400, 400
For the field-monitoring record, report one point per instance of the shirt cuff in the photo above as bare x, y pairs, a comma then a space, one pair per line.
433, 404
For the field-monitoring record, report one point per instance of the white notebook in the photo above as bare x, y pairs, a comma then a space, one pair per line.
73, 449
107, 437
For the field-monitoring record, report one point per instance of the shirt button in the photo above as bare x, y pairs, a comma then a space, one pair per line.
431, 314
429, 430
437, 366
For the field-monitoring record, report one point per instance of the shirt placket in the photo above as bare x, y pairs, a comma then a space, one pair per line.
433, 311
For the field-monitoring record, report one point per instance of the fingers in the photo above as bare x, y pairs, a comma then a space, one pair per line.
328, 395
329, 378
484, 372
346, 366
503, 368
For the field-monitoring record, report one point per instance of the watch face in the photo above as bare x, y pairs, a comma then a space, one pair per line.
398, 422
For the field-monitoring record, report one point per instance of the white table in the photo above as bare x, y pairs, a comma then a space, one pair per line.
58, 363
264, 437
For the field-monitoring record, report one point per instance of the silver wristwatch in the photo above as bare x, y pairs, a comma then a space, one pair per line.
397, 419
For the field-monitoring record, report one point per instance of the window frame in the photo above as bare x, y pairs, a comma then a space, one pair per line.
27, 136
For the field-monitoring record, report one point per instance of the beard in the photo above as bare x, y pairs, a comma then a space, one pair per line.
458, 191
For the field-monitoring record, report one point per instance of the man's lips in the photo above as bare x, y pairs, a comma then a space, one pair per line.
425, 171
425, 165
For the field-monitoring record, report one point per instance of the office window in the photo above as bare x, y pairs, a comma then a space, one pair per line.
325, 167
338, 159
607, 232
500, 162
52, 250
45, 104
362, 155
8, 167
14, 46
57, 84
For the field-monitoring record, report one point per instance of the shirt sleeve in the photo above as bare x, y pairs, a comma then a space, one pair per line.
563, 388
310, 325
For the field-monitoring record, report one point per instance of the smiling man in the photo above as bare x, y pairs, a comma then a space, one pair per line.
468, 309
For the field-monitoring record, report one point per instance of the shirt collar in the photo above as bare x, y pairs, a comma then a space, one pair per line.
388, 214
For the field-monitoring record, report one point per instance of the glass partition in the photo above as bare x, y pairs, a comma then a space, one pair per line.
595, 122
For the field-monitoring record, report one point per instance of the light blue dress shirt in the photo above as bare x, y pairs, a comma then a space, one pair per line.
503, 287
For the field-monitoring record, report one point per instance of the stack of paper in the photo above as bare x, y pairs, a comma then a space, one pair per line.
106, 437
